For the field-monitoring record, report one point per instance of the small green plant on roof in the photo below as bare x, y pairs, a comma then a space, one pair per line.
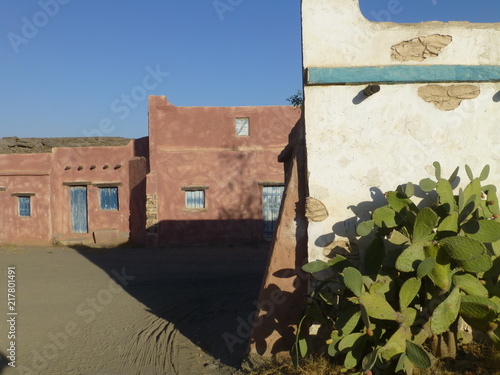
427, 270
296, 100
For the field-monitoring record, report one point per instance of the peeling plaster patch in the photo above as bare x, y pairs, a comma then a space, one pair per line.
421, 48
447, 98
315, 210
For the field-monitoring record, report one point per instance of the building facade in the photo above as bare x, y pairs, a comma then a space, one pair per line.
203, 174
214, 171
73, 195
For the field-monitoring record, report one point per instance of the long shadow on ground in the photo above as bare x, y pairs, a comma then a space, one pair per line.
207, 292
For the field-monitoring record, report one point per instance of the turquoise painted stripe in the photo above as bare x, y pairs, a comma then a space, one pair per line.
403, 74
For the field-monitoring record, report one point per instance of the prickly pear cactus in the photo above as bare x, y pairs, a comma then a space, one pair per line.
427, 269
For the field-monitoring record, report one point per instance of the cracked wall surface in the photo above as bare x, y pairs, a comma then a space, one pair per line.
359, 149
421, 48
448, 98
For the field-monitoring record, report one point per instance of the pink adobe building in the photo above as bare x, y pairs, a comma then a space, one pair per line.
214, 172
52, 193
203, 174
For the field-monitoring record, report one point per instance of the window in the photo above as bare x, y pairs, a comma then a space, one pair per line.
271, 203
195, 199
24, 205
108, 197
242, 127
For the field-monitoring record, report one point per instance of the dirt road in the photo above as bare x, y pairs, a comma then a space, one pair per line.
128, 311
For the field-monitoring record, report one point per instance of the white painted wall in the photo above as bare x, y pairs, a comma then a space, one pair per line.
336, 34
356, 152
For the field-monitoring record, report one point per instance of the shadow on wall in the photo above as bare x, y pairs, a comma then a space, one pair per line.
202, 231
207, 293
271, 322
363, 211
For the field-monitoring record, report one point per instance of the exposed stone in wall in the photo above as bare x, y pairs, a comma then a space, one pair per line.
152, 213
448, 98
315, 210
421, 48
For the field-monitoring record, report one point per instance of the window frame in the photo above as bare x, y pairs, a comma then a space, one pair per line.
188, 190
247, 133
20, 197
115, 206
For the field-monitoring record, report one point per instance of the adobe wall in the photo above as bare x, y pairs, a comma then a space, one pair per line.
197, 146
92, 166
438, 101
47, 177
25, 174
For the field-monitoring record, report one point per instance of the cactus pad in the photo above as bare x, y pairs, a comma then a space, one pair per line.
410, 258
463, 248
427, 185
353, 281
425, 222
417, 355
385, 217
408, 292
426, 267
348, 320
477, 307
377, 307
449, 223
446, 313
470, 284
481, 264
487, 231
446, 197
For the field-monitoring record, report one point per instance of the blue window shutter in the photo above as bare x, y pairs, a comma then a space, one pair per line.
109, 198
24, 204
271, 202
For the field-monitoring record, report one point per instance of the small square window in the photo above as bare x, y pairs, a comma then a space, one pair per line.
242, 127
109, 198
24, 205
195, 199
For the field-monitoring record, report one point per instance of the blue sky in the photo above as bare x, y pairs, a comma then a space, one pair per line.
84, 67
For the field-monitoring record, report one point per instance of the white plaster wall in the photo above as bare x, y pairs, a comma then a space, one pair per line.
335, 33
356, 152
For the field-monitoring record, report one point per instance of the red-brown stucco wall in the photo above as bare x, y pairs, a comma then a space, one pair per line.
198, 146
48, 178
25, 174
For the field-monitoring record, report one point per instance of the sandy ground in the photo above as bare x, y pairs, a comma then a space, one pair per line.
130, 311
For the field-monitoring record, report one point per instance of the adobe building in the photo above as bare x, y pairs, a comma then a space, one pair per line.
203, 174
72, 191
214, 173
382, 102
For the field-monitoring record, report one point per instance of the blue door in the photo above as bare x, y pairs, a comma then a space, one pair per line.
79, 221
271, 203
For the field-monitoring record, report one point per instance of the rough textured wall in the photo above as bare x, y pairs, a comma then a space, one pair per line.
25, 174
47, 177
198, 146
137, 210
358, 147
92, 166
